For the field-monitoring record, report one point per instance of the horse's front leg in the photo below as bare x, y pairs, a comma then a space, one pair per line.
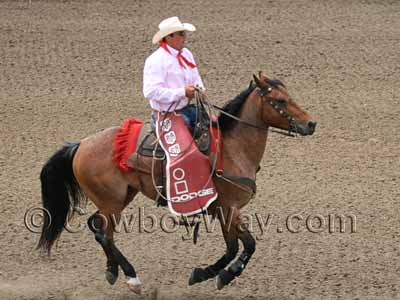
226, 276
232, 248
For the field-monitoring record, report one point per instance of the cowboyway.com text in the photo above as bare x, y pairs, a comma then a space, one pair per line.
260, 224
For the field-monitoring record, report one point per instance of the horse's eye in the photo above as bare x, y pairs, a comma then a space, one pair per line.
282, 102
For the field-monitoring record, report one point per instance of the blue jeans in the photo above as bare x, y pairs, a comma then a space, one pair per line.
189, 114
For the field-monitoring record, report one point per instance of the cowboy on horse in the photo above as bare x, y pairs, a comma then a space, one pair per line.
93, 169
170, 79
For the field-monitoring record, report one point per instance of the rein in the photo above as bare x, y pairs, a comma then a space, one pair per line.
220, 109
263, 91
245, 183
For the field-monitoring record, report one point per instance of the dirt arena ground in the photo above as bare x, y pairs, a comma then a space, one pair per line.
70, 68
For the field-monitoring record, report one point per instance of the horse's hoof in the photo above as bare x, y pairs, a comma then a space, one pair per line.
111, 277
134, 285
219, 284
223, 278
198, 275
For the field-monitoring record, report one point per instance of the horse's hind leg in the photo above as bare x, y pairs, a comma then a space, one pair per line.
96, 225
115, 258
102, 224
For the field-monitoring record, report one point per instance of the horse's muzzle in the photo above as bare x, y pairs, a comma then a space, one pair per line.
304, 129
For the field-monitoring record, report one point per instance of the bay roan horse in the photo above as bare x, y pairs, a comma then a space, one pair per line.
86, 169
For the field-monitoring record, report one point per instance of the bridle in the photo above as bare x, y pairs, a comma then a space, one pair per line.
263, 92
245, 183
274, 102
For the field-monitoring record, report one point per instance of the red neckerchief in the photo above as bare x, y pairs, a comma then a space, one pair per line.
180, 57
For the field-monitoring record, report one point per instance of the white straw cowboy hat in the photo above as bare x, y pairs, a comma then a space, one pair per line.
169, 26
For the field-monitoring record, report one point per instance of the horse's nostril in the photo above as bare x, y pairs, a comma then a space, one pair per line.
311, 124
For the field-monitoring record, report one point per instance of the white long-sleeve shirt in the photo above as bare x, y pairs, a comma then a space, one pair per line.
164, 80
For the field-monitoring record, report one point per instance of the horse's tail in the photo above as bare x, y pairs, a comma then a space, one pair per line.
60, 191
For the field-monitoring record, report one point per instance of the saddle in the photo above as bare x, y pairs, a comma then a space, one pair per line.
184, 173
148, 143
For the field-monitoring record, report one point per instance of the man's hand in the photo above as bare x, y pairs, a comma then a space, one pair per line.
202, 91
189, 91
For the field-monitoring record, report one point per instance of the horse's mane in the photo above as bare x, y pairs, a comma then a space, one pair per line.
233, 106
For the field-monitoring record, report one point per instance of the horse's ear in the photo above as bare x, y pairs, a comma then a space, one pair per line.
256, 79
262, 75
250, 84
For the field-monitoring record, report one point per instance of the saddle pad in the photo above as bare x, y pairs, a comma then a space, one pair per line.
125, 142
189, 186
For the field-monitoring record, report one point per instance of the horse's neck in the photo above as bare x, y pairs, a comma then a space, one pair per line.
244, 146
